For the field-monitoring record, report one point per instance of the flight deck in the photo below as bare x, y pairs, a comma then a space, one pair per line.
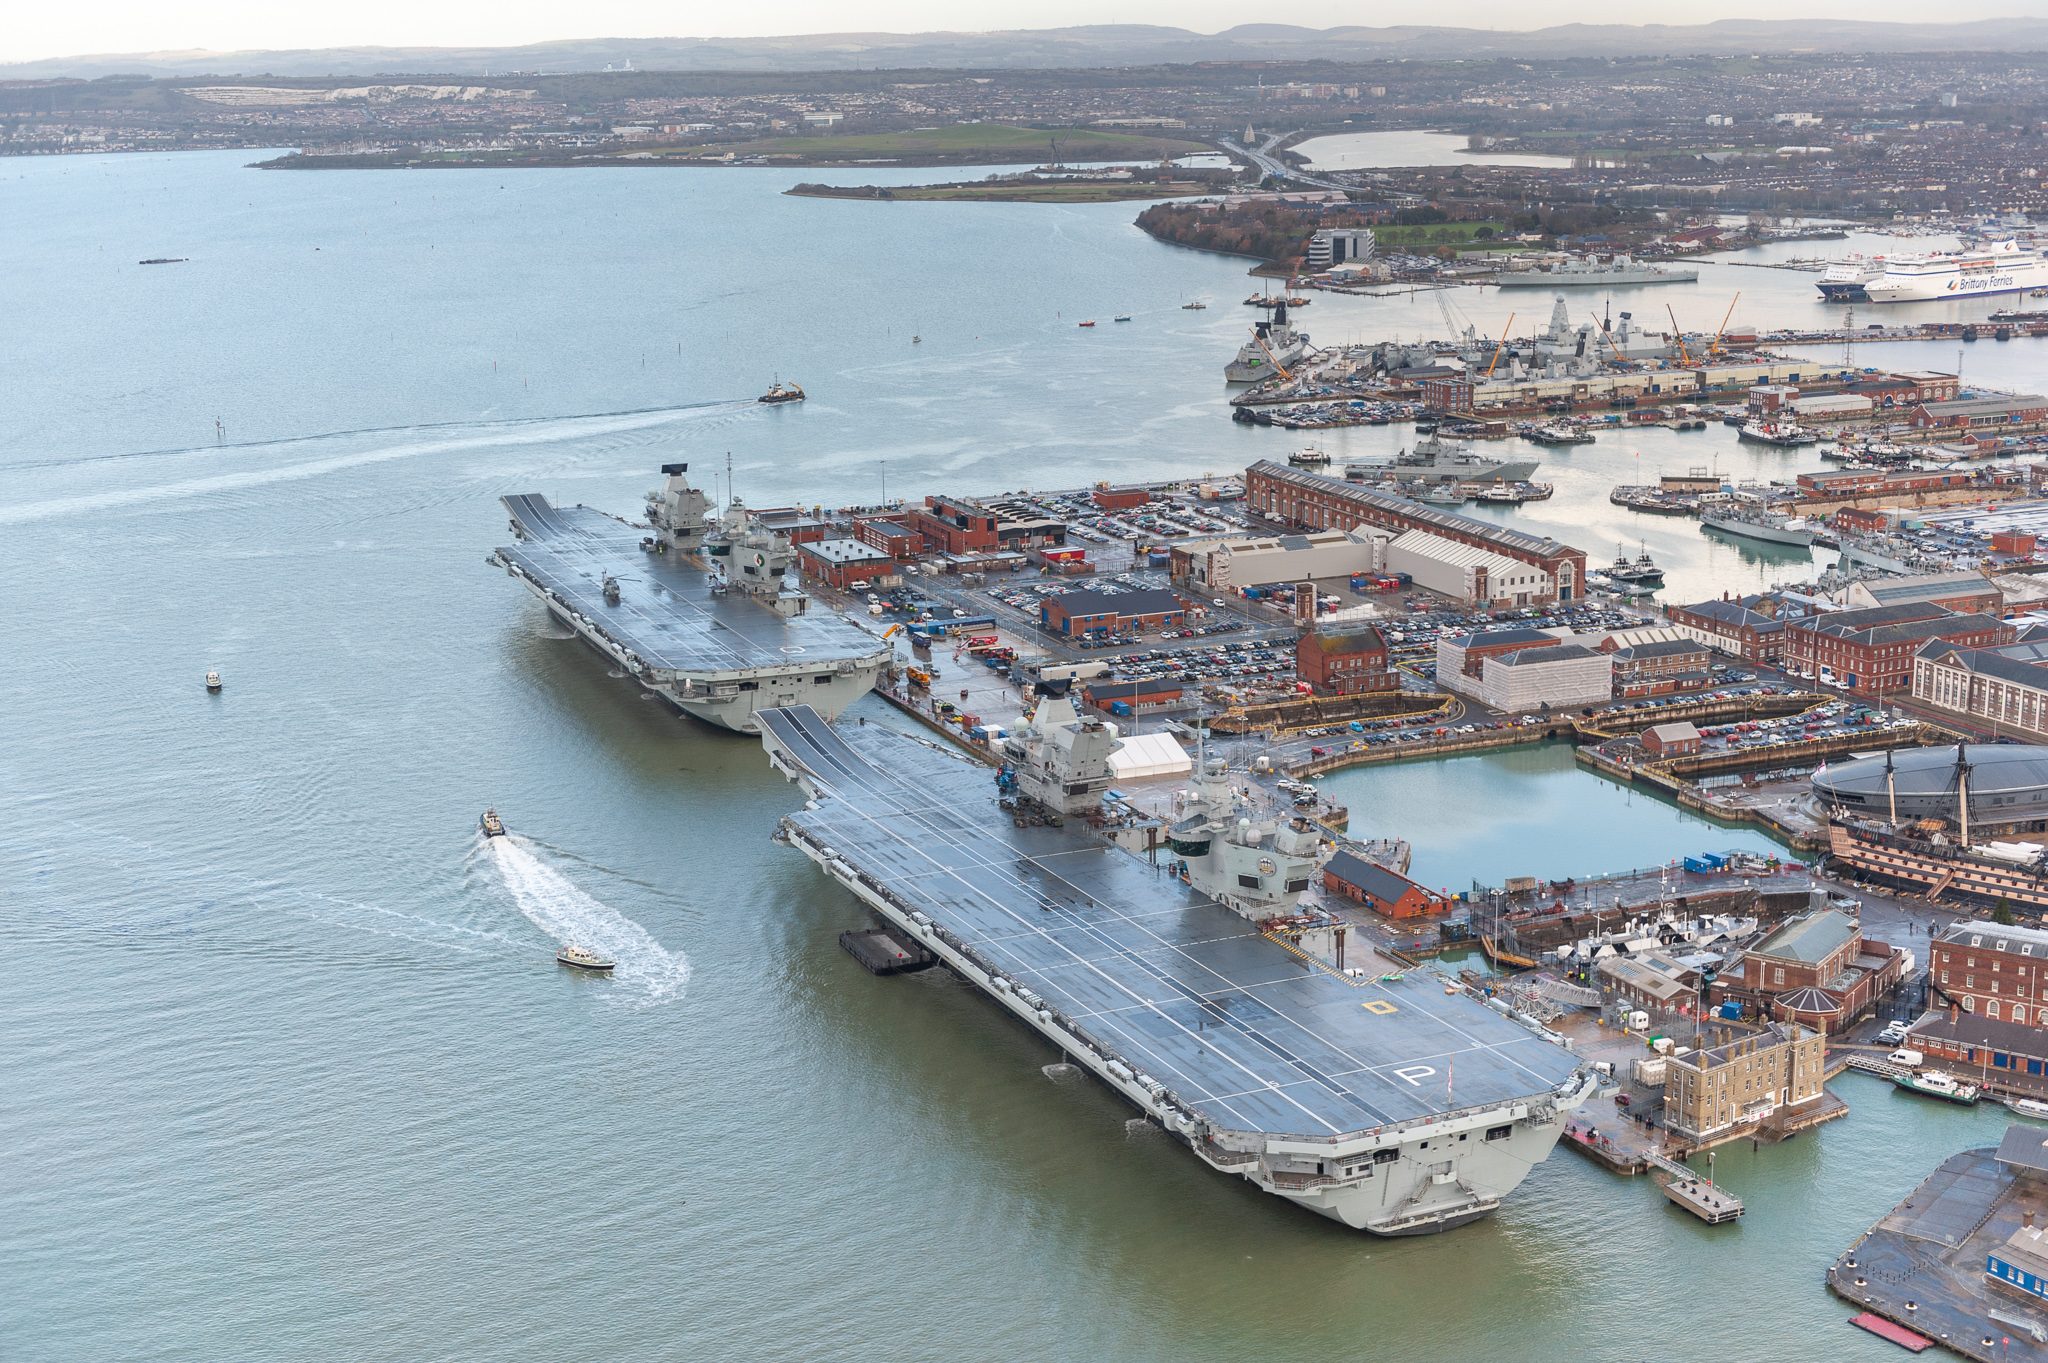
1239, 1029
718, 654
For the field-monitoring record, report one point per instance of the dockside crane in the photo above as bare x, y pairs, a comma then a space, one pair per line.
1715, 347
1679, 336
1502, 346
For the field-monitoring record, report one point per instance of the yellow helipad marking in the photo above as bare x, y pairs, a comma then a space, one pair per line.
1380, 1006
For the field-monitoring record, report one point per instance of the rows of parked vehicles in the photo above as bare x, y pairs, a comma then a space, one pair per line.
1244, 661
1829, 721
1156, 520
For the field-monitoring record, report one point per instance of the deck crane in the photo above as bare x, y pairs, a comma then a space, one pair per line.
1679, 336
1502, 346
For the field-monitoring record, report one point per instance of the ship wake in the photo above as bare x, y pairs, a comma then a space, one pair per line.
553, 903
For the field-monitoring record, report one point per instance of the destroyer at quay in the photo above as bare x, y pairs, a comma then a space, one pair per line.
707, 613
1176, 964
1275, 347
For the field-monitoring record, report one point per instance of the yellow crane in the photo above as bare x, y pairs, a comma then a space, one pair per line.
1715, 348
1679, 336
1502, 346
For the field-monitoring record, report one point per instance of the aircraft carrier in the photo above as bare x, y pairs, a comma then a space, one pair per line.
1378, 1099
706, 613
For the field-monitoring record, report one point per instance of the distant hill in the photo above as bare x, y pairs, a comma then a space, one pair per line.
1088, 46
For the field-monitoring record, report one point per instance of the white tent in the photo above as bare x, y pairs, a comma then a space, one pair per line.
1149, 755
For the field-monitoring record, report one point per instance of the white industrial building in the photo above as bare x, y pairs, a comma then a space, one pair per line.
1561, 676
1467, 572
1822, 406
1232, 564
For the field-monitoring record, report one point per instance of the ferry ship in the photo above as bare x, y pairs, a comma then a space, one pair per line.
1275, 346
1181, 966
1844, 280
1997, 267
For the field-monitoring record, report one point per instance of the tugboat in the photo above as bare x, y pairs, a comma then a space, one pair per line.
583, 958
213, 682
1310, 458
1195, 306
1643, 571
1935, 1084
491, 824
782, 392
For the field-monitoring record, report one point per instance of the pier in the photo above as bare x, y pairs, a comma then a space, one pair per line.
1922, 1266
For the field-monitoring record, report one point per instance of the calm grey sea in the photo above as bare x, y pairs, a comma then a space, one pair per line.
286, 1069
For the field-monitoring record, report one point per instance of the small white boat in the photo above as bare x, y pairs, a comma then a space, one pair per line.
491, 824
583, 958
2028, 1107
213, 681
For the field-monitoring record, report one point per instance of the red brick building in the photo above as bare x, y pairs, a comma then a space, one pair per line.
1994, 416
1872, 650
843, 562
1750, 628
1121, 498
1816, 969
1344, 664
1093, 612
1311, 501
1671, 740
890, 536
1993, 971
1373, 886
959, 525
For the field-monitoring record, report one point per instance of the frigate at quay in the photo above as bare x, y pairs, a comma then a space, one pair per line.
1176, 964
707, 613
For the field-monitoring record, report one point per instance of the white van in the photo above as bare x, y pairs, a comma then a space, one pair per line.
1910, 1059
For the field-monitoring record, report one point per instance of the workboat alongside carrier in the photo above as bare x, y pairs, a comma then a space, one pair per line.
1177, 965
707, 613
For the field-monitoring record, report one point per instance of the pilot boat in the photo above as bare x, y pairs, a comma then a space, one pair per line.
583, 958
213, 681
491, 824
783, 392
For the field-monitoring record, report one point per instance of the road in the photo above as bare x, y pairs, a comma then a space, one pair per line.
1273, 165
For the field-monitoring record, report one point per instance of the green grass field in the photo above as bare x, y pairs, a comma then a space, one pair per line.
1432, 234
1076, 144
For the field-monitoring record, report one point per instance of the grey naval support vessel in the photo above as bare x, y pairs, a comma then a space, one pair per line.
707, 613
1380, 1101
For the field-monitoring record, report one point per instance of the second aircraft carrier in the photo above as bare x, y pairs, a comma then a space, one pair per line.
1374, 1098
709, 614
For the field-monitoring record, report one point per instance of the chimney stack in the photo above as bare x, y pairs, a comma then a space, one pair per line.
2028, 1221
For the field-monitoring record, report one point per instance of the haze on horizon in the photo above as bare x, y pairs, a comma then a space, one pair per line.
129, 26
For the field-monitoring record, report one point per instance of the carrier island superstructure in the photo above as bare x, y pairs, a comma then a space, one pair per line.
1385, 1102
706, 612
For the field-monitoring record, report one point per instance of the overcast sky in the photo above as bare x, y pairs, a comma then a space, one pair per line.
37, 30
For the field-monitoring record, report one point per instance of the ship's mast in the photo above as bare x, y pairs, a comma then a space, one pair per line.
1963, 791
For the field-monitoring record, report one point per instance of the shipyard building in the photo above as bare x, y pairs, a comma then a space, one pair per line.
1550, 571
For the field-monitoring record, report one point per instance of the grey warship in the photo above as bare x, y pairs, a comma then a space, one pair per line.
706, 613
1192, 988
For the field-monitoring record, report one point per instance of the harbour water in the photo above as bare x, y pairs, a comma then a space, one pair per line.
290, 1070
1546, 817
